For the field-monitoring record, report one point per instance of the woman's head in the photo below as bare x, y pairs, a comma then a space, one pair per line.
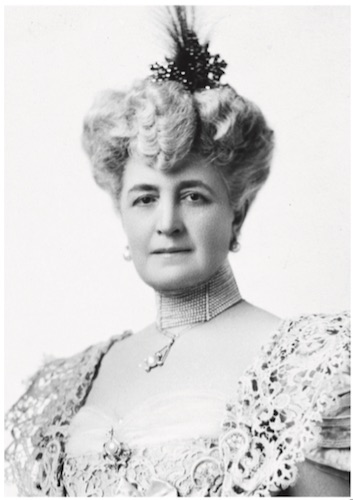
158, 134
161, 123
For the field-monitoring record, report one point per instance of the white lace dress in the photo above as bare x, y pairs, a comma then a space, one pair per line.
291, 404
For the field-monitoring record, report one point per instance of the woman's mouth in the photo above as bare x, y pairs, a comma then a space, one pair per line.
171, 251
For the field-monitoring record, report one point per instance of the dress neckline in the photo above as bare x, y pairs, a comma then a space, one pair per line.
228, 401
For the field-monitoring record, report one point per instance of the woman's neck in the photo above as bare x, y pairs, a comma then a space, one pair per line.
200, 303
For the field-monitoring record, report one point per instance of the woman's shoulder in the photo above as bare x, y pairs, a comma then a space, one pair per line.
255, 323
313, 344
318, 334
328, 323
57, 376
55, 369
302, 326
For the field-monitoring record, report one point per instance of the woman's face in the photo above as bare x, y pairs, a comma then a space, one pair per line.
178, 224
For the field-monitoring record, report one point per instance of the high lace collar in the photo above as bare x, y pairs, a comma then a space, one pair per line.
200, 303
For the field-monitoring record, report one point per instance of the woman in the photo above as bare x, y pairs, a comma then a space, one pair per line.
193, 404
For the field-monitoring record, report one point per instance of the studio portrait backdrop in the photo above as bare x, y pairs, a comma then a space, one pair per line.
67, 285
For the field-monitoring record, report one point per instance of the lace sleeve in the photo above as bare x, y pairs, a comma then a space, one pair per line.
39, 421
294, 390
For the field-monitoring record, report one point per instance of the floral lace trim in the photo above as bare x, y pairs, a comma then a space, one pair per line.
177, 469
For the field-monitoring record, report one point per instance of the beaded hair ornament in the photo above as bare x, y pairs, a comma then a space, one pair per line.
191, 63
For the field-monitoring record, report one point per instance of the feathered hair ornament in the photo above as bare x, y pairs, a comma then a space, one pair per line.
191, 63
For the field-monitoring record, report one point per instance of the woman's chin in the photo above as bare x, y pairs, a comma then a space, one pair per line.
172, 283
174, 278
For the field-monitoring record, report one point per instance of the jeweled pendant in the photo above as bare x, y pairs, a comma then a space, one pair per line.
158, 359
111, 447
115, 450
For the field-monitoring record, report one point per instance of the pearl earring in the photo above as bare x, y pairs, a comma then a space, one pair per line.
127, 254
234, 245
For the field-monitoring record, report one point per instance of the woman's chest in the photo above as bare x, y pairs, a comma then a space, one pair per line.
200, 364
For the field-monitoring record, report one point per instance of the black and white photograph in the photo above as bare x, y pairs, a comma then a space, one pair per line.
177, 250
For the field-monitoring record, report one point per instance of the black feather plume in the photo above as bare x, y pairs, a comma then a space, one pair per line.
190, 62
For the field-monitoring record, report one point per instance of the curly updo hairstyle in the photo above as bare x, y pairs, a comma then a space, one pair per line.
162, 122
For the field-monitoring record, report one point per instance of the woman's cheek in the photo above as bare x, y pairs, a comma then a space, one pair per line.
216, 230
135, 228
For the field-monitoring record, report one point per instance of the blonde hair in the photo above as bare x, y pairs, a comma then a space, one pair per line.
162, 123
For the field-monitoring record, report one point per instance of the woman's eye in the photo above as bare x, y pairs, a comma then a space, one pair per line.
144, 200
195, 197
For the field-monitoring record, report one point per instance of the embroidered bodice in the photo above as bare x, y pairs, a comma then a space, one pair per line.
291, 404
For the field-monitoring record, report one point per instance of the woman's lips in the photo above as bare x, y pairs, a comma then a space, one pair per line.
169, 251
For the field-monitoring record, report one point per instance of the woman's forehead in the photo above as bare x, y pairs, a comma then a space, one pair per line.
191, 169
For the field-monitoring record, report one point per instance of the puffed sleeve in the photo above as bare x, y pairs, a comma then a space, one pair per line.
331, 452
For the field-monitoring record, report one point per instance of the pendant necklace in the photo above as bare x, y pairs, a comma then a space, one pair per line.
159, 357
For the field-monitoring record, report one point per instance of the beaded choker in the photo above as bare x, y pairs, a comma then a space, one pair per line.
199, 303
192, 306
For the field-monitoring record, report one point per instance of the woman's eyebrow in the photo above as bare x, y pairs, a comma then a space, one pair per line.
142, 187
181, 185
196, 183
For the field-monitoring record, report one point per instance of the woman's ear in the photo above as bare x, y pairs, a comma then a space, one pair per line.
239, 217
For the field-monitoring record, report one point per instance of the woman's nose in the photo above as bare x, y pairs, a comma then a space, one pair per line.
169, 219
